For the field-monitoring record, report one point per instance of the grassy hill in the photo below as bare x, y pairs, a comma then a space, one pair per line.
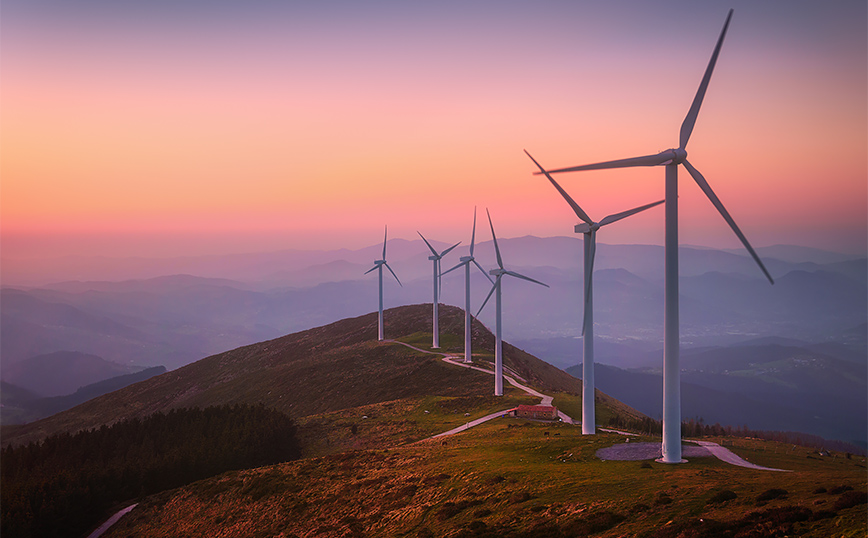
330, 376
366, 410
514, 478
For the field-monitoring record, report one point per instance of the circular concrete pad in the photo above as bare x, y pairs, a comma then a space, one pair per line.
646, 451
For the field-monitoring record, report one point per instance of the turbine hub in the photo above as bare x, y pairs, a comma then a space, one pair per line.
677, 155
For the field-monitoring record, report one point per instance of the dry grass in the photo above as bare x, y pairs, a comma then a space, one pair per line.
510, 478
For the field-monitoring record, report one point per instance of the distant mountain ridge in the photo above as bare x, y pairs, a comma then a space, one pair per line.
63, 372
21, 406
173, 320
766, 386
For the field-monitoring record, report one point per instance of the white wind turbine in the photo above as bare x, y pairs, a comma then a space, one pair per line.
589, 229
468, 317
378, 264
671, 158
498, 343
435, 257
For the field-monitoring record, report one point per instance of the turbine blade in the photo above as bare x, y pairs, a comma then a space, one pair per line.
385, 236
624, 214
579, 211
371, 269
646, 160
393, 274
454, 268
706, 188
487, 297
496, 248
529, 279
473, 235
690, 120
484, 272
445, 252
434, 252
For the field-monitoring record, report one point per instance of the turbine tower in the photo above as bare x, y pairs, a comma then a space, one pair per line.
498, 342
378, 264
589, 229
435, 257
468, 318
671, 158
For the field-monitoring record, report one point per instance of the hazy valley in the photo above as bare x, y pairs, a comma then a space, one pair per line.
798, 347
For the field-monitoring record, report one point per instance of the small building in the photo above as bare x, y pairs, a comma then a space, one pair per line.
536, 412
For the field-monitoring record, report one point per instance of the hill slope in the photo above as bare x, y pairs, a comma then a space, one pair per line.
324, 370
516, 479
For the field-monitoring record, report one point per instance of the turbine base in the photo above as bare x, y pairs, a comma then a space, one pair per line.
661, 460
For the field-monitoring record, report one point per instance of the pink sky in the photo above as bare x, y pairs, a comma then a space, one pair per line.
165, 128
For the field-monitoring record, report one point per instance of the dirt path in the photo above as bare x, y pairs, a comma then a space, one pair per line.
111, 521
456, 360
626, 451
725, 454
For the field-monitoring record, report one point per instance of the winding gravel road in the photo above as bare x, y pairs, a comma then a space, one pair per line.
635, 451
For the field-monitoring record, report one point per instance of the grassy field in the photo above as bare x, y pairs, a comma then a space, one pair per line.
517, 478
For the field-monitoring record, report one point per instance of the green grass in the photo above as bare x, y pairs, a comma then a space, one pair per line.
506, 477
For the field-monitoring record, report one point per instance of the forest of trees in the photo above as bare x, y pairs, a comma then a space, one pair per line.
65, 485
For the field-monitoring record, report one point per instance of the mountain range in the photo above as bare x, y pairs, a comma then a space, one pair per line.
159, 317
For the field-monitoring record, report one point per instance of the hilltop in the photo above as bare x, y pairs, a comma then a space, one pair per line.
336, 370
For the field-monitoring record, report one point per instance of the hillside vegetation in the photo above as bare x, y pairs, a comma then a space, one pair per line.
340, 366
64, 485
513, 478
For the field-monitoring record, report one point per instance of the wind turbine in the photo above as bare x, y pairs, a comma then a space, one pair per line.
498, 343
435, 257
589, 228
671, 158
378, 264
468, 318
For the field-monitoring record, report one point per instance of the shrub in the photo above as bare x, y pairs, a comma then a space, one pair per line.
520, 497
721, 496
593, 523
839, 489
849, 499
769, 494
662, 498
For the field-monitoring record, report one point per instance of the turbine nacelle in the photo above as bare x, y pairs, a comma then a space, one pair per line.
585, 228
433, 258
466, 259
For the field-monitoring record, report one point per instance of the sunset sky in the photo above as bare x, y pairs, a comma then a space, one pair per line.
170, 127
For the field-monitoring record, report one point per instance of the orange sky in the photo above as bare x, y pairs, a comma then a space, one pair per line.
215, 128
